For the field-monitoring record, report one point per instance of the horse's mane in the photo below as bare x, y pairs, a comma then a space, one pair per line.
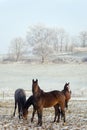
65, 88
40, 90
29, 102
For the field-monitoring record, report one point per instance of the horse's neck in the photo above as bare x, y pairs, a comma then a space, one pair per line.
67, 94
29, 102
64, 91
38, 93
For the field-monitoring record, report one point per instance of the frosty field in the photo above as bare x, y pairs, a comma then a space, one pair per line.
50, 76
76, 118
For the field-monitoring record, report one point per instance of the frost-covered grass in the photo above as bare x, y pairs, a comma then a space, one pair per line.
76, 118
50, 76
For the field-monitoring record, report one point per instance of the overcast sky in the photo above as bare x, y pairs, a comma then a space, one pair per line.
17, 15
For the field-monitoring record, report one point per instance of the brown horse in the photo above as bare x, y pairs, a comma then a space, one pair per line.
47, 99
67, 93
31, 101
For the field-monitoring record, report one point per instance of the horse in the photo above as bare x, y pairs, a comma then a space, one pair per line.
30, 101
47, 99
20, 99
67, 94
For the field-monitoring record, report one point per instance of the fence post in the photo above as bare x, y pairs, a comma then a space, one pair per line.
3, 94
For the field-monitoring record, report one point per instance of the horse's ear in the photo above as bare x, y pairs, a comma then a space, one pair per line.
37, 80
65, 83
68, 83
32, 80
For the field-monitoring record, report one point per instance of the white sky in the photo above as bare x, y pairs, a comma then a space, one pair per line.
17, 15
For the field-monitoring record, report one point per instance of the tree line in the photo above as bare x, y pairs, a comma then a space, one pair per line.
43, 41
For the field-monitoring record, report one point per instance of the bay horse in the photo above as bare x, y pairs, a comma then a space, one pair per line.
67, 93
47, 99
31, 101
20, 99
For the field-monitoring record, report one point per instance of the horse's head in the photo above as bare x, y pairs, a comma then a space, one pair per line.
35, 87
25, 113
67, 87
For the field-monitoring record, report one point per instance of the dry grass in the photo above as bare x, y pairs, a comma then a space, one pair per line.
76, 118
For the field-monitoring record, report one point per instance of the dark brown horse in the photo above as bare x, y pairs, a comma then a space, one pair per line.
30, 101
47, 99
67, 93
20, 99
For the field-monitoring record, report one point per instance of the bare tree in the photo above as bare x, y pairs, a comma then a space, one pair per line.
40, 38
17, 48
43, 51
83, 38
61, 38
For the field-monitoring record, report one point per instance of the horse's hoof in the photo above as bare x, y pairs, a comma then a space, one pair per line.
64, 124
68, 111
57, 121
39, 124
53, 121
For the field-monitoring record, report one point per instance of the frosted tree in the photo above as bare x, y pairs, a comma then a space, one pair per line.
17, 48
83, 38
40, 38
61, 38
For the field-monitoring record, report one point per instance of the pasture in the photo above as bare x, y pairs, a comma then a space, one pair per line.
50, 76
76, 118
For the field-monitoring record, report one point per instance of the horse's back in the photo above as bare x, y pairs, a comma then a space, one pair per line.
20, 92
54, 94
20, 95
49, 99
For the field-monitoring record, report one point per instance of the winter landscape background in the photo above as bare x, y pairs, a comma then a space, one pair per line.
51, 76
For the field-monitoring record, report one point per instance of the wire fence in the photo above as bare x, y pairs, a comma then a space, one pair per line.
9, 94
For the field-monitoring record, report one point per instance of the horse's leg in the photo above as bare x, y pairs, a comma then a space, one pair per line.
63, 113
62, 106
39, 112
34, 110
66, 105
19, 109
56, 112
15, 108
